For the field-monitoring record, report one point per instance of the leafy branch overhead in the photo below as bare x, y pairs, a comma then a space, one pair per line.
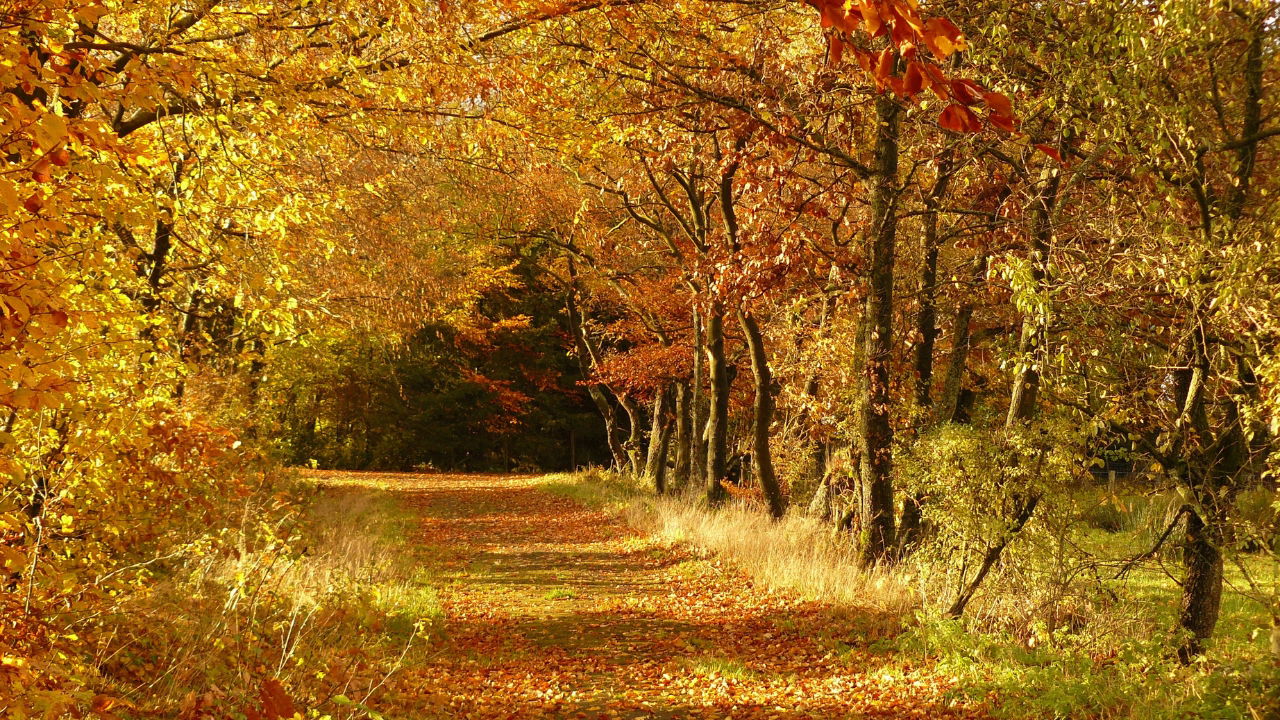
958, 319
901, 66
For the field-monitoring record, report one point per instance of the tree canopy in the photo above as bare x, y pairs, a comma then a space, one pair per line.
929, 271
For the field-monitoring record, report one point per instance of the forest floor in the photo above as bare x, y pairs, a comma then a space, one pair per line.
550, 609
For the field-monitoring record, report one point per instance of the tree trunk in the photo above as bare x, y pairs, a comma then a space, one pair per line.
656, 462
611, 428
927, 330
912, 521
820, 504
257, 366
1026, 385
1215, 464
663, 442
876, 428
1225, 458
634, 446
818, 451
818, 443
1201, 588
718, 415
949, 407
586, 361
1026, 381
926, 319
764, 408
683, 435
698, 407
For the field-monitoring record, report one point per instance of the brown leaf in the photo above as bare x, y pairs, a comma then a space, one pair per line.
1004, 122
835, 49
1050, 151
42, 172
958, 118
1000, 104
966, 91
276, 703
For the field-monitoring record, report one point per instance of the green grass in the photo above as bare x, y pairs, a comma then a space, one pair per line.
411, 605
716, 666
559, 594
1119, 662
597, 488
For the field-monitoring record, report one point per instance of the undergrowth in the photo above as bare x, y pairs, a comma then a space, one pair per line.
1053, 635
312, 601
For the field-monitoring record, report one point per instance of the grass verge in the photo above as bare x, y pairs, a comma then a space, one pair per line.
316, 597
1113, 661
796, 553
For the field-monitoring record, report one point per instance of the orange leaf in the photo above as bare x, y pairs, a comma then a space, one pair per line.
999, 104
865, 59
34, 203
1004, 122
910, 16
958, 118
871, 16
884, 65
915, 79
937, 80
61, 157
835, 49
1050, 151
41, 171
943, 37
903, 34
847, 20
966, 91
828, 16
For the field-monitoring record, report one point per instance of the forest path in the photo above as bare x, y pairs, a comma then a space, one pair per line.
554, 610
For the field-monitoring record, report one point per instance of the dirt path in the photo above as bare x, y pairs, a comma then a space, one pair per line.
553, 610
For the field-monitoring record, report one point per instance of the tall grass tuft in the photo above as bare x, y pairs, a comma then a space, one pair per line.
797, 553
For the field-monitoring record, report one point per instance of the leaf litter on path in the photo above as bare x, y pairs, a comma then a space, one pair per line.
554, 610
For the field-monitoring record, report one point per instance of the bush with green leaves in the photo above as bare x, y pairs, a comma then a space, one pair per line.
999, 499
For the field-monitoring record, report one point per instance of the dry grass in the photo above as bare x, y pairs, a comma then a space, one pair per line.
300, 597
797, 553
357, 540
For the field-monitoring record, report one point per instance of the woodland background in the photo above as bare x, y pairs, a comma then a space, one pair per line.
983, 290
